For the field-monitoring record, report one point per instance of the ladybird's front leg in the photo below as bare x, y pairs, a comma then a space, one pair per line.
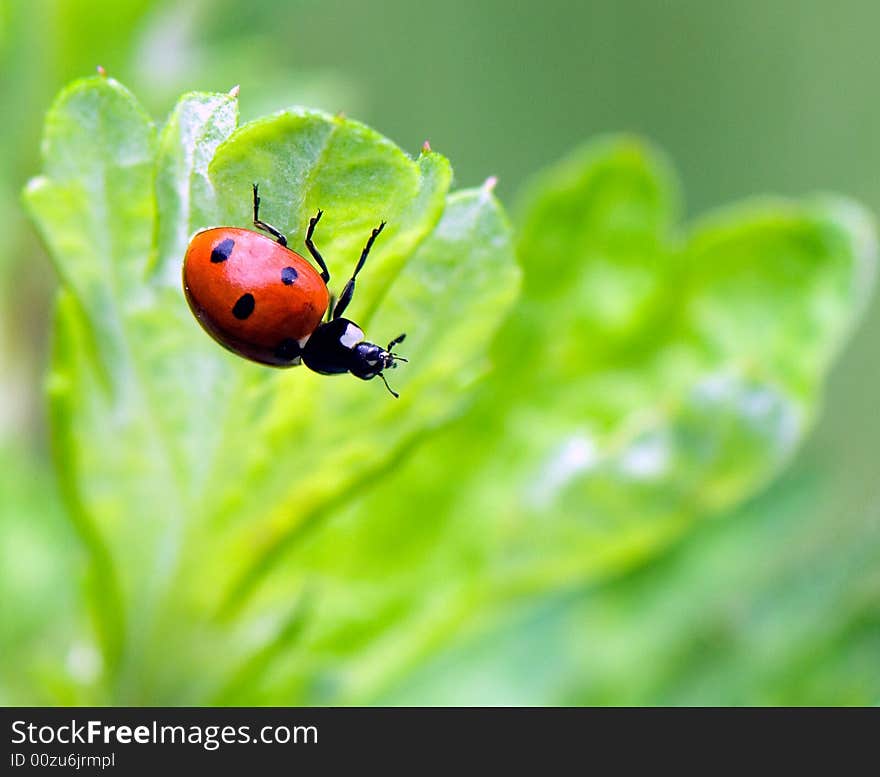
348, 291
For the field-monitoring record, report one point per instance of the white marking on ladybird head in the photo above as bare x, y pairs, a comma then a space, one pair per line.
351, 336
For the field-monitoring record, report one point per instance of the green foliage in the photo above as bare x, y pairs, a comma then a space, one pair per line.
186, 468
772, 605
330, 540
634, 395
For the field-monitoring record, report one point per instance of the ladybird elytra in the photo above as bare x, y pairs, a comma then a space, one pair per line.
252, 294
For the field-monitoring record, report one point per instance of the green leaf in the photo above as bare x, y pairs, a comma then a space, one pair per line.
184, 193
334, 541
94, 208
649, 377
776, 604
186, 468
93, 204
682, 372
463, 274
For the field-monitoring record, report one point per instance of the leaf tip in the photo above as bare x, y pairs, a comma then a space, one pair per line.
426, 147
234, 92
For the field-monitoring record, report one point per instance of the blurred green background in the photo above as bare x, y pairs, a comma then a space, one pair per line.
779, 602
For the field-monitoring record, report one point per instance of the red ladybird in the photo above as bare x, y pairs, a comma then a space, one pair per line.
264, 302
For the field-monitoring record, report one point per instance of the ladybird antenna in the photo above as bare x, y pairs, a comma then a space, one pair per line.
396, 341
390, 390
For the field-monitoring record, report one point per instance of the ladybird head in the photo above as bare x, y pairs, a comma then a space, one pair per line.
338, 346
370, 360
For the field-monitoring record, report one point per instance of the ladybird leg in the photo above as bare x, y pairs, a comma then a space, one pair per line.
325, 273
331, 306
348, 291
390, 390
262, 224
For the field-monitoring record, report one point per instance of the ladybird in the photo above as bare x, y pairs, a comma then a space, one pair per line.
265, 302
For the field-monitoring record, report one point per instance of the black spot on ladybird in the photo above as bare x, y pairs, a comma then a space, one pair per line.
222, 250
288, 349
244, 307
288, 275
